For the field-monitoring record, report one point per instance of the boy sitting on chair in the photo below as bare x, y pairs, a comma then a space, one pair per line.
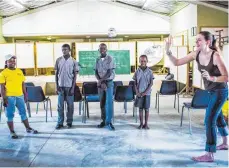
143, 78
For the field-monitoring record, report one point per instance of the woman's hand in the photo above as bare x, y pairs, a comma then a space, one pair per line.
206, 75
168, 44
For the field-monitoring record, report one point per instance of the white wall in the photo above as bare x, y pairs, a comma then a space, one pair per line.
183, 20
83, 17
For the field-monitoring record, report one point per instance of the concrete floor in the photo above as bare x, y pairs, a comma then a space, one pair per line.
166, 144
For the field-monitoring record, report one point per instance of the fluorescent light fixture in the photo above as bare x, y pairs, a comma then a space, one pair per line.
126, 36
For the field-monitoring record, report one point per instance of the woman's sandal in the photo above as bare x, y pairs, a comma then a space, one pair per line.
203, 158
222, 147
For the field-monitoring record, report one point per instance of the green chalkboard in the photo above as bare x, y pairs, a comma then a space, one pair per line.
121, 58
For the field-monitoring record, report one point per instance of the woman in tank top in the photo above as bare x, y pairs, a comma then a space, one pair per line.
215, 77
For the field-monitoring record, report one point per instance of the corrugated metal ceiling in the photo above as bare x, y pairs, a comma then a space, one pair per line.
165, 7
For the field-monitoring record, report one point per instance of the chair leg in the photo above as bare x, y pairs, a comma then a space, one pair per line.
136, 114
85, 115
80, 107
125, 107
182, 113
133, 110
156, 101
175, 101
1, 111
113, 112
190, 124
83, 112
178, 103
37, 108
28, 108
87, 110
46, 109
50, 104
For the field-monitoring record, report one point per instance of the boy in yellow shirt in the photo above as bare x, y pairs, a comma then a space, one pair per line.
14, 94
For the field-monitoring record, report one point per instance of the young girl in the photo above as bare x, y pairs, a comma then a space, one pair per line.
14, 94
215, 77
143, 78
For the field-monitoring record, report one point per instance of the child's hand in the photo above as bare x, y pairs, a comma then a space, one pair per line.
143, 94
139, 94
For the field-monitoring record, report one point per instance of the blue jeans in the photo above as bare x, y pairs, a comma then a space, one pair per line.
106, 103
19, 102
64, 95
214, 117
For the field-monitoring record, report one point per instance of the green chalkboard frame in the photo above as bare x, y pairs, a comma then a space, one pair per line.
121, 58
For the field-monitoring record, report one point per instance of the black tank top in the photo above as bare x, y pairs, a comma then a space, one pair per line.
213, 70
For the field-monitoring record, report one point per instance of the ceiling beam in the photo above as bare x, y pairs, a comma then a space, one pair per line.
143, 6
208, 5
137, 9
21, 4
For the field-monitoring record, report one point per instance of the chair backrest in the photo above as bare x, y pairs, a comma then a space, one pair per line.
29, 84
117, 83
131, 83
90, 88
168, 87
124, 93
201, 99
77, 94
35, 94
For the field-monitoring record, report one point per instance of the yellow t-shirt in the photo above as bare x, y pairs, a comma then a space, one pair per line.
13, 80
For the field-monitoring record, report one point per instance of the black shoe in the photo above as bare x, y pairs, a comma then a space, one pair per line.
101, 125
58, 126
140, 126
13, 135
111, 127
69, 126
30, 130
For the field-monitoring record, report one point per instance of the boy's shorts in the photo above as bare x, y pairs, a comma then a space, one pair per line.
15, 101
144, 102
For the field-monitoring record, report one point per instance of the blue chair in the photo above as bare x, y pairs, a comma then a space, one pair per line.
131, 83
36, 95
90, 92
78, 97
167, 88
200, 100
124, 94
29, 84
117, 83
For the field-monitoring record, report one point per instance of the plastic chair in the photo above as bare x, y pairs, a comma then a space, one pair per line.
36, 95
200, 100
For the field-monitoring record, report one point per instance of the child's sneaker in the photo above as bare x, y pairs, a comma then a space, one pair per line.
30, 130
